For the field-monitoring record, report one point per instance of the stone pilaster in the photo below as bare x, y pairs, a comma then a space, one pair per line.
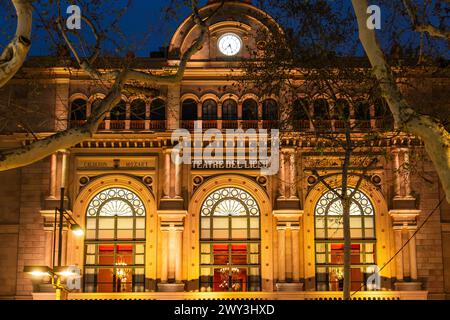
171, 231
288, 235
173, 107
404, 225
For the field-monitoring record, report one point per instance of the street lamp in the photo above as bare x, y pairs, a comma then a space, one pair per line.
57, 272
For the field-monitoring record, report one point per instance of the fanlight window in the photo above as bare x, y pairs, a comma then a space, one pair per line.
230, 242
329, 244
330, 204
116, 202
230, 202
115, 242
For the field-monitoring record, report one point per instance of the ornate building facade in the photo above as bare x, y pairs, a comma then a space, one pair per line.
157, 229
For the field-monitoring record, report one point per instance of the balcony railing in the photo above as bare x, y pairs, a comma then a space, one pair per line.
209, 124
270, 124
137, 124
79, 123
117, 124
300, 295
158, 125
230, 124
249, 124
384, 124
301, 125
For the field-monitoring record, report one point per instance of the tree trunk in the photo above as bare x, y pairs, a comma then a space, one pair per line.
347, 246
434, 135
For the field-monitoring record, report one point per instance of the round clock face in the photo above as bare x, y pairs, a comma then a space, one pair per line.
230, 44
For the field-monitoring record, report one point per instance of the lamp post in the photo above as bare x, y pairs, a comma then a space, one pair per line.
57, 272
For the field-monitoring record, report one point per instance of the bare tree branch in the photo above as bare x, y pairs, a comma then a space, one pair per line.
424, 27
15, 53
10, 159
434, 135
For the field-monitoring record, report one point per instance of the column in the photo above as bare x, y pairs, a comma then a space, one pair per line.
173, 107
167, 165
219, 115
147, 115
53, 173
399, 258
260, 114
282, 177
172, 253
127, 116
179, 255
406, 174
281, 254
199, 110
288, 245
164, 255
293, 175
398, 191
177, 168
412, 255
295, 231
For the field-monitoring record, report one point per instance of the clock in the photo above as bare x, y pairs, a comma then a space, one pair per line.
230, 44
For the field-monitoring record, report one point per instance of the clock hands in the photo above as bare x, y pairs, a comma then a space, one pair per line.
229, 44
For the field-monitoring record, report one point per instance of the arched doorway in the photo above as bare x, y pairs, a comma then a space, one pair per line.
115, 242
194, 238
314, 250
123, 237
329, 240
230, 241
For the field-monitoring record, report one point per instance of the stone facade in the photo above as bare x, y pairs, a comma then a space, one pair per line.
135, 154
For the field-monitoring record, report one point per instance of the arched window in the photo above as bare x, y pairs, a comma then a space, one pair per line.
138, 110
158, 110
329, 240
301, 109
341, 110
321, 110
95, 104
78, 110
250, 110
381, 109
362, 111
230, 242
115, 242
383, 115
189, 110
229, 110
119, 112
270, 110
209, 110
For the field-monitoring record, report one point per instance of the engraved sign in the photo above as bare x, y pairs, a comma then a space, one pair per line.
116, 163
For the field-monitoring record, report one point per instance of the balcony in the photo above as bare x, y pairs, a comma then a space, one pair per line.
117, 124
122, 125
270, 124
157, 125
137, 124
298, 125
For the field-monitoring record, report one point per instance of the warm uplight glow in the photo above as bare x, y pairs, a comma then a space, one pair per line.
39, 274
65, 273
37, 271
77, 230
